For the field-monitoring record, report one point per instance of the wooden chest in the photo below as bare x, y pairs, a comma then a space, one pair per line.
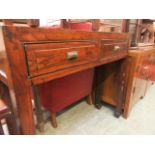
140, 76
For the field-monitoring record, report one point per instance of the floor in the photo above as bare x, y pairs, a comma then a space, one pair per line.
84, 119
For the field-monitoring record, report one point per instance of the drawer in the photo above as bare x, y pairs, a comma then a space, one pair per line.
49, 57
113, 47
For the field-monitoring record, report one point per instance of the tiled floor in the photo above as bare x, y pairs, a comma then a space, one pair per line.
84, 119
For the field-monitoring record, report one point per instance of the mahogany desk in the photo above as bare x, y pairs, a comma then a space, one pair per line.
31, 56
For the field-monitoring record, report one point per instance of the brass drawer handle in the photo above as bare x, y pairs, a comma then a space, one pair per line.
116, 48
72, 55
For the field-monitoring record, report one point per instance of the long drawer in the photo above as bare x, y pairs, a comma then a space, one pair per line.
49, 57
111, 48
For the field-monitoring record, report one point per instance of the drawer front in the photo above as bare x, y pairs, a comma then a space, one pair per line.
113, 47
50, 57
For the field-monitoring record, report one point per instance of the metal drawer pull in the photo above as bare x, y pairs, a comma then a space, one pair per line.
116, 48
72, 55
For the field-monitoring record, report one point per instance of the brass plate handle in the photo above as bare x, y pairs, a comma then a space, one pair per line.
72, 55
116, 48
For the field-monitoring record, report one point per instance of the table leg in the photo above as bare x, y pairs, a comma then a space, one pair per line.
98, 88
123, 79
38, 110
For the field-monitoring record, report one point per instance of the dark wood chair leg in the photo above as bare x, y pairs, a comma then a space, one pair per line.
1, 129
98, 88
89, 99
53, 120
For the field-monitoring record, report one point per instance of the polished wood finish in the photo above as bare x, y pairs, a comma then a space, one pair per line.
139, 76
25, 47
50, 57
113, 79
131, 76
7, 89
113, 47
110, 83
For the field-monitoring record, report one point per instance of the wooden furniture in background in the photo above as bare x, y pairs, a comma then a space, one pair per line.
111, 25
140, 30
133, 79
140, 76
147, 31
133, 28
28, 22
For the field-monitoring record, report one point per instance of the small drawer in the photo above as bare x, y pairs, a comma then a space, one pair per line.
113, 47
49, 57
